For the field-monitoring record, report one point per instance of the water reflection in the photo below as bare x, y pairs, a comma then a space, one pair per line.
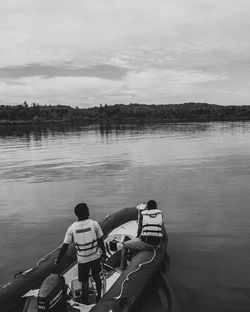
198, 172
39, 131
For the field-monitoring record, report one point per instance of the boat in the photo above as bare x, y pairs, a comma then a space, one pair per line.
32, 289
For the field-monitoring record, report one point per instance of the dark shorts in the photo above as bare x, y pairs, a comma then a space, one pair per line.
84, 269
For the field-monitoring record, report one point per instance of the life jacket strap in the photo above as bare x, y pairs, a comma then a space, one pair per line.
79, 252
152, 231
86, 244
151, 224
92, 243
86, 249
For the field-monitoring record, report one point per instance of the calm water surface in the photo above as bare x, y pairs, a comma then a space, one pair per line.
199, 173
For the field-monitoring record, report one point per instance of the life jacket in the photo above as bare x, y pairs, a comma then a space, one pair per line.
151, 223
85, 239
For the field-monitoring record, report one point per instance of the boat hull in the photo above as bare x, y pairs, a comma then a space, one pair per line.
11, 294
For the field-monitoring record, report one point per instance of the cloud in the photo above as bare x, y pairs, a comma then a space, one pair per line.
101, 71
162, 85
52, 50
144, 86
32, 33
58, 90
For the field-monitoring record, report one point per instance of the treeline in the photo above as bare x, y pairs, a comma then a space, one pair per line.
36, 113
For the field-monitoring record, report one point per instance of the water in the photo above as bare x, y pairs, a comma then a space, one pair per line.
199, 173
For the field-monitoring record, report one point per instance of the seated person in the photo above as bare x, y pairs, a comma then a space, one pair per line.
149, 234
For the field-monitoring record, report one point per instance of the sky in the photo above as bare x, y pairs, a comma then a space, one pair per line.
89, 52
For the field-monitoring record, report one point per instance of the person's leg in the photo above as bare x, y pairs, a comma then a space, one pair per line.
123, 262
83, 276
96, 269
136, 244
133, 245
85, 290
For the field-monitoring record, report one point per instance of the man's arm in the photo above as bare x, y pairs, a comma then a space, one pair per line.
62, 252
67, 240
102, 246
139, 227
99, 235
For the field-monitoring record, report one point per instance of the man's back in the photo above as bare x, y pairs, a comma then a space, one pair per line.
84, 234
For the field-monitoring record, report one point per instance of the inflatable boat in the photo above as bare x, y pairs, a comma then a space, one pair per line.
40, 289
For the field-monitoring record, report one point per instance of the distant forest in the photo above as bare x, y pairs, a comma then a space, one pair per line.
121, 113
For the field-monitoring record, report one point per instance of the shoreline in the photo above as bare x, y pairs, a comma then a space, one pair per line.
120, 121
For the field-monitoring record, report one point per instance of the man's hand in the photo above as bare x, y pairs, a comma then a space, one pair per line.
141, 207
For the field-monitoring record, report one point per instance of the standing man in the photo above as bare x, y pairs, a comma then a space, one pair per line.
86, 234
149, 234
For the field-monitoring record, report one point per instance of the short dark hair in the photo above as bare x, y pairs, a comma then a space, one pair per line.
82, 211
151, 204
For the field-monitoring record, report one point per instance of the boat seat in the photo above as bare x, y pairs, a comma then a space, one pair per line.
114, 260
76, 289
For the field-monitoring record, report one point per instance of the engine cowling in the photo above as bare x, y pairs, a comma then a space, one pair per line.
52, 294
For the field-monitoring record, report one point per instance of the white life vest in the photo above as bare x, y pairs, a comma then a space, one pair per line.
85, 239
151, 223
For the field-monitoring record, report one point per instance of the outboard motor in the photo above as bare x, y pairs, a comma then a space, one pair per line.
52, 294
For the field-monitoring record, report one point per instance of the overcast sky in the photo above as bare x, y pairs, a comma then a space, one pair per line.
86, 52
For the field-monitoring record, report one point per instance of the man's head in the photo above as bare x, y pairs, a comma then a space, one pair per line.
151, 204
82, 211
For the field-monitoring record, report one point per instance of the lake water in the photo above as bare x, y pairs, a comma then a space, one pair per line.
199, 173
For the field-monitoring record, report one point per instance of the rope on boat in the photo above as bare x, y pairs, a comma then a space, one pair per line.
105, 218
132, 272
45, 257
37, 265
